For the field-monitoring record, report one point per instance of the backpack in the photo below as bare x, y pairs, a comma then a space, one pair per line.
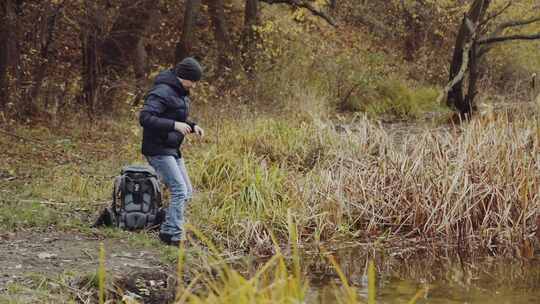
136, 200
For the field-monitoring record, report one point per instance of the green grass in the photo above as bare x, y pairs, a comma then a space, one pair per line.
19, 293
39, 288
62, 178
392, 99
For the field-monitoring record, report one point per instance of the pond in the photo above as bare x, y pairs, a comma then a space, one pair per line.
398, 290
431, 280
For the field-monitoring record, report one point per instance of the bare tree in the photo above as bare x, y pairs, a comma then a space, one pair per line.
251, 18
470, 49
413, 22
185, 45
466, 35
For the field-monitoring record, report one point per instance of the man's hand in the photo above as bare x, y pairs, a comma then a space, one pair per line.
199, 131
182, 127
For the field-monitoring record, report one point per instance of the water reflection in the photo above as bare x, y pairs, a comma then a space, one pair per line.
446, 280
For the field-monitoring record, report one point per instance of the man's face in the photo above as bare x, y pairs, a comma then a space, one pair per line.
188, 84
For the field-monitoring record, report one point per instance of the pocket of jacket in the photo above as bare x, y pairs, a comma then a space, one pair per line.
174, 139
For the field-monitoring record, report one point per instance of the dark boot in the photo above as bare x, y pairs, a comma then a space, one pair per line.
166, 239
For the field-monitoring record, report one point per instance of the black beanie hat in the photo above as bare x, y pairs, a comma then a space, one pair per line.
189, 69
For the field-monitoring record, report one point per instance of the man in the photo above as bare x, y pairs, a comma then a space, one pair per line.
165, 123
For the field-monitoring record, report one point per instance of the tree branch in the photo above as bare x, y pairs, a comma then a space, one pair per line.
508, 38
514, 23
497, 14
306, 5
500, 29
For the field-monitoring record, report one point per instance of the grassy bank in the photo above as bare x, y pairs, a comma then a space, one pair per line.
472, 187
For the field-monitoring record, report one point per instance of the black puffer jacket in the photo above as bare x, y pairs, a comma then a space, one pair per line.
164, 104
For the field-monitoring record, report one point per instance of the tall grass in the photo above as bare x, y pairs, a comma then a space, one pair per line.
470, 187
274, 281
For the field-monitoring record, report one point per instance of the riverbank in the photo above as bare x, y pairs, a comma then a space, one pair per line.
473, 187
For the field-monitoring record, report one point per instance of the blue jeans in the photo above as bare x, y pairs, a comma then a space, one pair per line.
172, 171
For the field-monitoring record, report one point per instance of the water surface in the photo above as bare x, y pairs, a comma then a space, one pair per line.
444, 280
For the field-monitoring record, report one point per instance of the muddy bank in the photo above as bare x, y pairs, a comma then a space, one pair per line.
66, 263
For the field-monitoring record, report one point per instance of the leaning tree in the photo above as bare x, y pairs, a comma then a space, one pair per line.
476, 37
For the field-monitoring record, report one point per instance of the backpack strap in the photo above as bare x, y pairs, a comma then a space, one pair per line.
157, 191
136, 192
118, 185
118, 193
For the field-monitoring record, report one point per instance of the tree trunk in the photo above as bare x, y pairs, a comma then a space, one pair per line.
9, 50
41, 70
5, 29
473, 77
185, 45
90, 69
124, 45
413, 38
120, 48
333, 5
141, 69
251, 19
217, 14
465, 104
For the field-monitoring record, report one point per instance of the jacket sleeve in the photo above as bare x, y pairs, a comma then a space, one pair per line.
149, 116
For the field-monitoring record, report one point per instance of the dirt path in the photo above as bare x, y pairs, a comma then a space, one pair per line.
62, 261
